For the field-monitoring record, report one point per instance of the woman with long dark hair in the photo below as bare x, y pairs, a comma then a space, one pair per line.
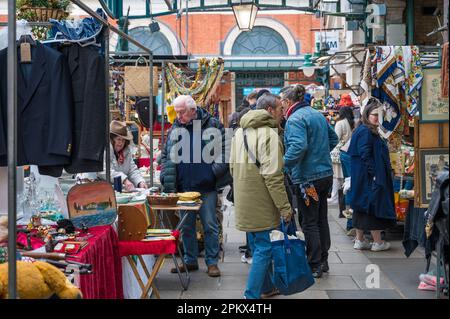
372, 193
344, 129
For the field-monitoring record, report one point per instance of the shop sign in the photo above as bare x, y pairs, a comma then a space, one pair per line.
273, 90
330, 38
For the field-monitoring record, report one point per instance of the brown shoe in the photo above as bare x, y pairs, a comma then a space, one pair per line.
213, 271
189, 268
269, 294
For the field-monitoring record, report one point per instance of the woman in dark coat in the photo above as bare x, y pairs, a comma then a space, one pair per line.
371, 193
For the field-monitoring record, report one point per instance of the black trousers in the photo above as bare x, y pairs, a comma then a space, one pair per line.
314, 222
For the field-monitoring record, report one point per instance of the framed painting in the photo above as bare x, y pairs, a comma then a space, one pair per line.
431, 162
433, 108
92, 204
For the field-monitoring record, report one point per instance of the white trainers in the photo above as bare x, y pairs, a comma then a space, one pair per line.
361, 245
380, 247
246, 260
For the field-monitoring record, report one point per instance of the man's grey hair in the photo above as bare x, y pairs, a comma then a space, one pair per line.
267, 100
185, 100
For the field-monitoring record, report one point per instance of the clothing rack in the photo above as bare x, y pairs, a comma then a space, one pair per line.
12, 119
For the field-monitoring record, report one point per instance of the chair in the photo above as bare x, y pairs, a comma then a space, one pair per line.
132, 228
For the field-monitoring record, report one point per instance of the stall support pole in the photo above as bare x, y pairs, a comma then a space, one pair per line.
163, 102
12, 149
150, 124
410, 21
107, 139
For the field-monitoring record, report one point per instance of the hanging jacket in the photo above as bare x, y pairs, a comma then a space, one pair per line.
259, 194
87, 69
372, 190
44, 108
308, 141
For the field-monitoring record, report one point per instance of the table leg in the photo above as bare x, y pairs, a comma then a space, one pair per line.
184, 284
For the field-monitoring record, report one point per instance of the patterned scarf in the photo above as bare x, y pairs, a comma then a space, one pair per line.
121, 157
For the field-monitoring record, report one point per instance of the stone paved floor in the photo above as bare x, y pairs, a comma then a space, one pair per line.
346, 279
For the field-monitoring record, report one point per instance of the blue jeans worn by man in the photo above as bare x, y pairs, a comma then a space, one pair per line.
211, 230
260, 279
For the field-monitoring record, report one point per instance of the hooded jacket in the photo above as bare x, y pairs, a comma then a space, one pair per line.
259, 194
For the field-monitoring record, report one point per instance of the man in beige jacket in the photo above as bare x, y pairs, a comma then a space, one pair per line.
260, 199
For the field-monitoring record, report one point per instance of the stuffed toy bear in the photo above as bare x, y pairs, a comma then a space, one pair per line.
35, 280
38, 280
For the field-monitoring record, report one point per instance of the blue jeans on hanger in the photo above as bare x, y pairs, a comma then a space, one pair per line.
260, 278
210, 225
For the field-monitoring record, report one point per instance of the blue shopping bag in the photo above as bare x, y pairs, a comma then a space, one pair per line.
292, 273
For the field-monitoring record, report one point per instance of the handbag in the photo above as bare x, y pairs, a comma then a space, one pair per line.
292, 273
336, 153
137, 80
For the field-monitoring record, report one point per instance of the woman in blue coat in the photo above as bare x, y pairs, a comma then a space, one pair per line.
371, 191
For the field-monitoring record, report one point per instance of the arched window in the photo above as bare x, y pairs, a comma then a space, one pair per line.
260, 41
156, 42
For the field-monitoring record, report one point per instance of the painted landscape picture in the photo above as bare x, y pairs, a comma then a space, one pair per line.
92, 204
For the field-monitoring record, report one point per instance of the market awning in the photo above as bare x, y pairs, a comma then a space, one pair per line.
282, 63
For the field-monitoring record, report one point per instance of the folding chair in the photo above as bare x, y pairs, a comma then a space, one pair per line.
131, 230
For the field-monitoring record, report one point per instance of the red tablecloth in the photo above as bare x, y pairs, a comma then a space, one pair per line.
132, 247
103, 253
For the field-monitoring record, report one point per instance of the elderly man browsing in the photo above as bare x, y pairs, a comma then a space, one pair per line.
193, 161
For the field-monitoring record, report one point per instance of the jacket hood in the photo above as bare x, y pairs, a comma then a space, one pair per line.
257, 118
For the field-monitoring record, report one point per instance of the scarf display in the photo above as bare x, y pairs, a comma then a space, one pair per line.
202, 87
393, 74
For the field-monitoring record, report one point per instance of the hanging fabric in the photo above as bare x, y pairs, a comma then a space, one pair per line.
444, 71
202, 87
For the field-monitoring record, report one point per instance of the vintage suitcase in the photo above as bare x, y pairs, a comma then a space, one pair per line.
132, 223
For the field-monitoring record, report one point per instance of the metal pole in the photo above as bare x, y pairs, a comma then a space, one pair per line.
107, 139
12, 149
150, 124
410, 21
187, 27
163, 101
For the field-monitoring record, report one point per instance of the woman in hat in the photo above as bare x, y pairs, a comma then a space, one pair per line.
122, 163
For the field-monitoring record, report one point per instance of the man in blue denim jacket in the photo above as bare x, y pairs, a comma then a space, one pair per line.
308, 141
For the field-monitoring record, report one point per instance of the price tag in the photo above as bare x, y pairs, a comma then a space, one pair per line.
25, 52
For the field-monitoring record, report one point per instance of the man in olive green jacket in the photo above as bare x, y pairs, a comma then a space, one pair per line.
260, 199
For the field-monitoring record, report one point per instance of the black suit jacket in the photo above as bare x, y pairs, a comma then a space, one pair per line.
87, 70
44, 109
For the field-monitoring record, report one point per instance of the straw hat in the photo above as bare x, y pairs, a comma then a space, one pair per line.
120, 129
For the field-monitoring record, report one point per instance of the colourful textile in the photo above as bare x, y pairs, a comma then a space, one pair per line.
127, 248
102, 253
413, 77
444, 71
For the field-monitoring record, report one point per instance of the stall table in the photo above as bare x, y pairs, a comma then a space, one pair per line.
102, 253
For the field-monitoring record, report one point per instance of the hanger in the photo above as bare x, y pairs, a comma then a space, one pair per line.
82, 42
27, 38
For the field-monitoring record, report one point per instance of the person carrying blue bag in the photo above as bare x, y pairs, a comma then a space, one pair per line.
292, 273
260, 199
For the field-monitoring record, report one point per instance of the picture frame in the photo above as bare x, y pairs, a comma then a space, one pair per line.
432, 107
431, 161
